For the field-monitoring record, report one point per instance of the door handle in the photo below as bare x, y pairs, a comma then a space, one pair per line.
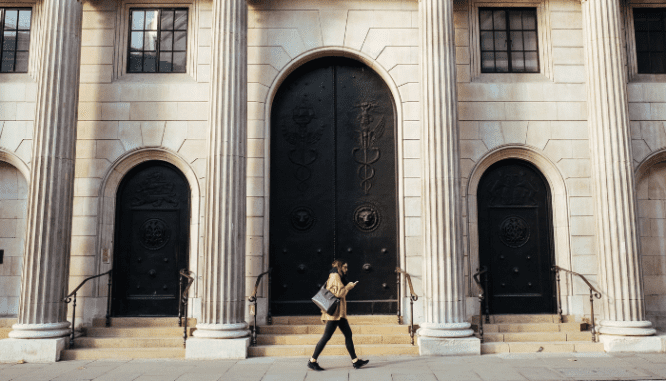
367, 267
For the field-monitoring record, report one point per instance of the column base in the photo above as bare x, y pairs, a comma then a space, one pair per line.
32, 350
626, 328
222, 331
636, 344
40, 331
215, 349
443, 346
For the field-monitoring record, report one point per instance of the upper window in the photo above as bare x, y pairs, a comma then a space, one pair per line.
509, 40
157, 41
650, 24
15, 39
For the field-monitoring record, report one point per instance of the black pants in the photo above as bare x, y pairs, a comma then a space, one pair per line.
331, 325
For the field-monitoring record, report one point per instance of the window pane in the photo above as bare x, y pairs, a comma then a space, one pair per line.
136, 42
165, 62
179, 40
530, 40
9, 41
487, 42
499, 19
137, 20
640, 21
644, 63
7, 64
135, 64
24, 19
642, 42
151, 20
179, 62
23, 40
149, 62
167, 20
166, 42
150, 41
486, 19
488, 62
180, 22
657, 41
531, 62
654, 21
517, 62
500, 40
529, 20
516, 40
11, 19
21, 62
501, 62
515, 22
657, 60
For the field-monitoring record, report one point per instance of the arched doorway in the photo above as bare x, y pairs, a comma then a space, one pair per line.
151, 240
515, 238
333, 186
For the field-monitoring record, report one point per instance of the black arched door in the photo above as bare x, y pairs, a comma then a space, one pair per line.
151, 240
515, 238
333, 186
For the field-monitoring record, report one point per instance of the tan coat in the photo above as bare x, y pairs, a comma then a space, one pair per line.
335, 286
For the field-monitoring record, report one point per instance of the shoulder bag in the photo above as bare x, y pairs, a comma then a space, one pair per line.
326, 301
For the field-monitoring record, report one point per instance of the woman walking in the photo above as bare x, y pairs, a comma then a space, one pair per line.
338, 285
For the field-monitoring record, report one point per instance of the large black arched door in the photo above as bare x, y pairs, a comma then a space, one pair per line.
333, 186
515, 238
151, 240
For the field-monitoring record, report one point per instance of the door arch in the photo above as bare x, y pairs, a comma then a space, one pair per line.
333, 186
515, 238
151, 240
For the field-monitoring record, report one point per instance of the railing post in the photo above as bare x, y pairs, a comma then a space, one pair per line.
185, 325
398, 288
108, 301
411, 318
269, 317
71, 337
180, 300
558, 293
593, 328
485, 298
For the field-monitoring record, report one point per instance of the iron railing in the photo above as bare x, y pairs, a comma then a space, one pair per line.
594, 293
72, 298
483, 302
253, 299
182, 300
412, 298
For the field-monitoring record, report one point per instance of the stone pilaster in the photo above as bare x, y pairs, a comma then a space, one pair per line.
612, 172
443, 279
223, 316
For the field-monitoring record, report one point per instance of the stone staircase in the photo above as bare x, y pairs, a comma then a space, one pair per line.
535, 333
373, 335
130, 338
6, 326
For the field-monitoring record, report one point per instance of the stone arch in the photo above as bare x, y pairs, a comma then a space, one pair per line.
560, 210
107, 205
16, 162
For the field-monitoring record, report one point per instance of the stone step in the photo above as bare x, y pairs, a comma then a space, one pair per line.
353, 320
532, 327
125, 343
525, 337
142, 322
166, 332
122, 353
7, 322
4, 332
360, 329
332, 350
525, 319
535, 347
335, 340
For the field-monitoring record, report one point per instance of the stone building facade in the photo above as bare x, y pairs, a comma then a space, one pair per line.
582, 113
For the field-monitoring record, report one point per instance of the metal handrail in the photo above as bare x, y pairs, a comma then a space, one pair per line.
182, 302
253, 299
482, 297
412, 298
72, 297
594, 293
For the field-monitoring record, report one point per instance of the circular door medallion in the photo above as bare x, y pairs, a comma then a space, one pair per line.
514, 231
366, 217
302, 218
154, 234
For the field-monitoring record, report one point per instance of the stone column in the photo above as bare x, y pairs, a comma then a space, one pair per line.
445, 330
42, 318
612, 174
223, 332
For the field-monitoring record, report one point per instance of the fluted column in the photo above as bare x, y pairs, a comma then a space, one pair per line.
612, 172
224, 241
442, 212
42, 313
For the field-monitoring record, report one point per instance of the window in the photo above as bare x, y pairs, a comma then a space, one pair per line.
15, 39
650, 25
509, 40
157, 41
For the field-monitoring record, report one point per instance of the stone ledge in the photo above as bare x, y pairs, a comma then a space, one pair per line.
635, 344
210, 349
32, 350
430, 346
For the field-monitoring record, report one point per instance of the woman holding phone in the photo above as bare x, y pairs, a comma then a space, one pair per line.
338, 285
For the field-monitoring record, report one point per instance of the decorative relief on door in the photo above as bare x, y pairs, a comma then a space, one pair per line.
514, 231
367, 154
303, 138
302, 218
513, 188
154, 234
155, 190
367, 217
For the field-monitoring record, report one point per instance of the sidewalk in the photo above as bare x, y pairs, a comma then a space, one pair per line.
538, 366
